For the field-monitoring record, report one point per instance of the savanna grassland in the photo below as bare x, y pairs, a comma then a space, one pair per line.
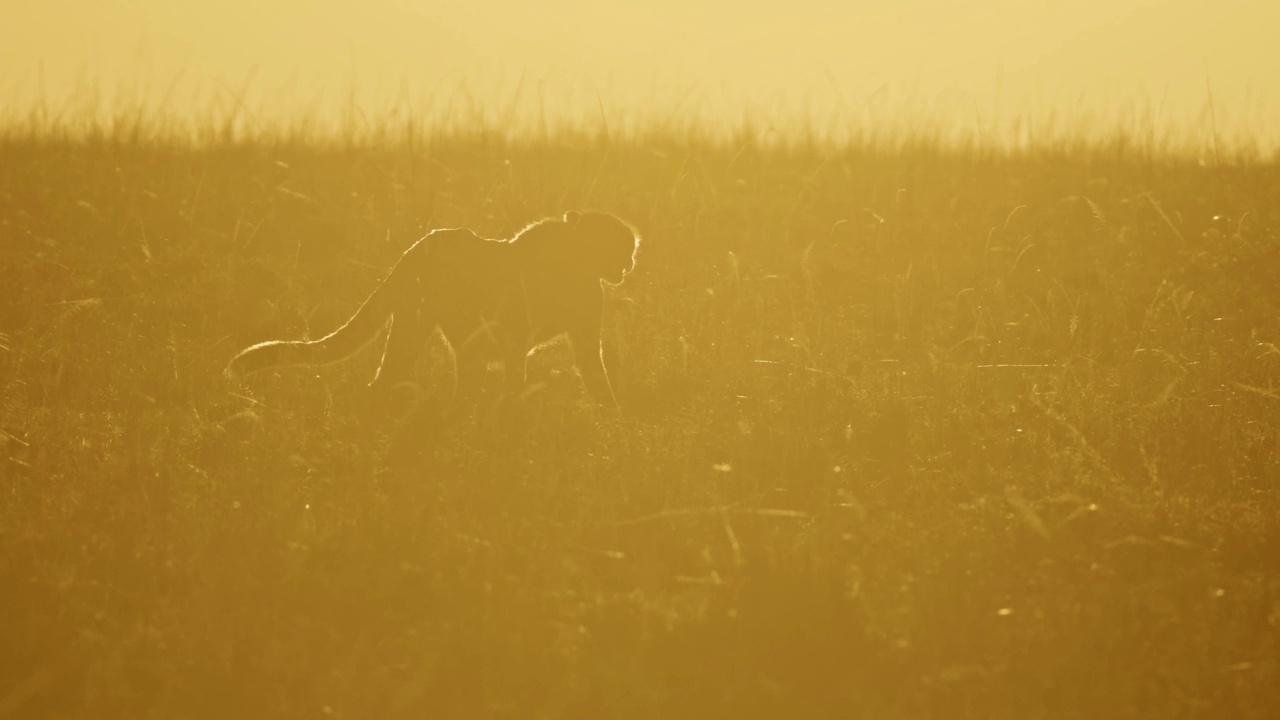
906, 432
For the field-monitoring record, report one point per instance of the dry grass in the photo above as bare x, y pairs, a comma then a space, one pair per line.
909, 432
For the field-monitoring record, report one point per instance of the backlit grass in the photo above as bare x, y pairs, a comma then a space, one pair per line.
909, 430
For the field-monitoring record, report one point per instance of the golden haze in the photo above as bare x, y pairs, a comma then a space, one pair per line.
988, 66
948, 369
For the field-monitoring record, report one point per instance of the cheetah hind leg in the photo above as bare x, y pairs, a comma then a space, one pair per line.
406, 339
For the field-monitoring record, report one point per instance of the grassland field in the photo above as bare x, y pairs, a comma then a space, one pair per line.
907, 432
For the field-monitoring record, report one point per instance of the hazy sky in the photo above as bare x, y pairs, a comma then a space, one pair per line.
724, 55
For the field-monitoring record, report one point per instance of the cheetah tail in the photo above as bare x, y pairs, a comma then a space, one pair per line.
337, 346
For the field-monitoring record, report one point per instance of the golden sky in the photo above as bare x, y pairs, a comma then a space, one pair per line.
1002, 56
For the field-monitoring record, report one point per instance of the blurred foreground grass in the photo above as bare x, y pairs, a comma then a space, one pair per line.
907, 433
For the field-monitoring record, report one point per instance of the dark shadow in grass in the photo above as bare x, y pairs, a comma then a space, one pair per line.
414, 424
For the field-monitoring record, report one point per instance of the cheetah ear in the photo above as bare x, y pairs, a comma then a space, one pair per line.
571, 217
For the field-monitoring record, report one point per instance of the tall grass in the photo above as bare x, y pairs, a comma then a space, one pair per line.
911, 429
214, 111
